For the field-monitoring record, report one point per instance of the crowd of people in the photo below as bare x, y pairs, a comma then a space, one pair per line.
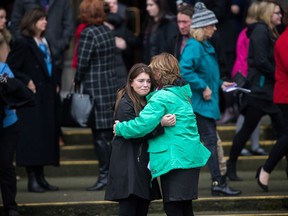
155, 118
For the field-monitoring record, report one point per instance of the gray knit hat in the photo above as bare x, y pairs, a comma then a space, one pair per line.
202, 16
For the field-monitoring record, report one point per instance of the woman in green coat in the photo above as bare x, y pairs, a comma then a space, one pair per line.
177, 155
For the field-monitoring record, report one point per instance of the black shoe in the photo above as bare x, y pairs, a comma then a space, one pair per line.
97, 186
12, 213
259, 151
33, 186
218, 189
43, 183
262, 186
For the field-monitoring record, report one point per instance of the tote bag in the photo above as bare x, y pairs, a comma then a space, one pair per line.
77, 109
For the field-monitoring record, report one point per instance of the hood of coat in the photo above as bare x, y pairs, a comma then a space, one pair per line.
252, 26
183, 92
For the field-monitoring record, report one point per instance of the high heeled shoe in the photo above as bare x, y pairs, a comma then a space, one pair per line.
261, 185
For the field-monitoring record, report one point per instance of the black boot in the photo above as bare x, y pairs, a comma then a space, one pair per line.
103, 149
231, 171
33, 185
42, 181
219, 188
100, 184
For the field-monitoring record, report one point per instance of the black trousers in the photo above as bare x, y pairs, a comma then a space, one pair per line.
8, 141
133, 206
280, 149
252, 118
179, 208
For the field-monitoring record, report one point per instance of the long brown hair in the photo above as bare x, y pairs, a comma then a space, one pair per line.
127, 89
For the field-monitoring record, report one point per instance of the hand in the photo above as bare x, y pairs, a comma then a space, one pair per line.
114, 127
31, 86
120, 43
227, 84
168, 120
58, 88
207, 93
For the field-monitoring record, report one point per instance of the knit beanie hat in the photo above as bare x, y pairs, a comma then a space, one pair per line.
202, 16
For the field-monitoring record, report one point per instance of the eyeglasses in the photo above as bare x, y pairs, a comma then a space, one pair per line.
278, 13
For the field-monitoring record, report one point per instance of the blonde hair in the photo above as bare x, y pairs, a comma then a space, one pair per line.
252, 14
198, 34
167, 66
265, 12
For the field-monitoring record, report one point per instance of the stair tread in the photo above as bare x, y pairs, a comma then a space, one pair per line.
72, 189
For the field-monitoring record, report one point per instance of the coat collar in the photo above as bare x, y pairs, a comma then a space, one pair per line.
38, 54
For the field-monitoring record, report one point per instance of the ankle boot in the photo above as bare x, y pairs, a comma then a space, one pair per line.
42, 181
219, 188
103, 149
100, 184
231, 171
33, 185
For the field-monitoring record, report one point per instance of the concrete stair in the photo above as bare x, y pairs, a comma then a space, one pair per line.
79, 169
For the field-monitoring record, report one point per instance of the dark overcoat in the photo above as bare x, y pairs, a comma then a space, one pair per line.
128, 172
96, 71
60, 26
156, 36
38, 143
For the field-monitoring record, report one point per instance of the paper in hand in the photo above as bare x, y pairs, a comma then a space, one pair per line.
234, 88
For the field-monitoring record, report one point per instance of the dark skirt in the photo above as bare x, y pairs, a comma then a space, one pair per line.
180, 184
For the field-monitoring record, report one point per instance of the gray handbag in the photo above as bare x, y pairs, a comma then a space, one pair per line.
77, 109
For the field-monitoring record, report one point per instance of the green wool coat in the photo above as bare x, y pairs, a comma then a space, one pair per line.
180, 146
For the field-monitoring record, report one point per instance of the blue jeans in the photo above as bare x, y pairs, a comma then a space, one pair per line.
207, 131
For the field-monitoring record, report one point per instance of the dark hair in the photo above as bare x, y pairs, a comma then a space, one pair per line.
285, 17
29, 20
92, 12
135, 70
163, 8
187, 10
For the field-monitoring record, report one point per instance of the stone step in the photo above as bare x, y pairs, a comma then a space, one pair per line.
74, 136
86, 151
90, 167
73, 200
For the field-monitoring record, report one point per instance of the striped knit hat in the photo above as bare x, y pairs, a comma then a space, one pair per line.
202, 16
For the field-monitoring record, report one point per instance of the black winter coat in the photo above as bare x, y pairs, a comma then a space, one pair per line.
38, 142
156, 36
261, 68
261, 63
128, 172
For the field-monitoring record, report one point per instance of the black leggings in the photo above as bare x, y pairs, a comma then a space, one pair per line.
281, 147
252, 118
133, 206
179, 208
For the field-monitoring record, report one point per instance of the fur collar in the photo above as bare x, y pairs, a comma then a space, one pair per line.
5, 35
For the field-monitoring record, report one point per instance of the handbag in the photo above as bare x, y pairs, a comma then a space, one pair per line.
77, 108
